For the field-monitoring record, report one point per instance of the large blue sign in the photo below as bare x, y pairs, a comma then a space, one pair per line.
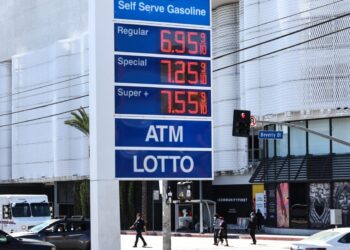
162, 133
162, 101
153, 70
163, 164
269, 134
195, 12
161, 40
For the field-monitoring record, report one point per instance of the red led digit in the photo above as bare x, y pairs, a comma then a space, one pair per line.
167, 75
180, 72
193, 101
165, 41
168, 107
180, 42
192, 73
180, 104
192, 43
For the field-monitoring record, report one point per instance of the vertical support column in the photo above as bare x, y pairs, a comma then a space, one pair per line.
200, 207
166, 218
104, 187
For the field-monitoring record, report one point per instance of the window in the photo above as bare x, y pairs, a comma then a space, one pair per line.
20, 210
345, 239
298, 139
271, 143
340, 128
319, 145
282, 144
40, 209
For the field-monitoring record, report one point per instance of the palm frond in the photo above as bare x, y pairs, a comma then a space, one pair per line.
79, 121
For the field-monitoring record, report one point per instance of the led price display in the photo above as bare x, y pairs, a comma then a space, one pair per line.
183, 42
181, 71
159, 40
184, 102
162, 101
133, 69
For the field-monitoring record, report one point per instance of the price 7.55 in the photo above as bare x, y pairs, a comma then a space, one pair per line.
184, 102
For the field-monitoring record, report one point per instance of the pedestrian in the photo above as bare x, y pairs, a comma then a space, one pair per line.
139, 226
259, 219
252, 226
216, 226
223, 231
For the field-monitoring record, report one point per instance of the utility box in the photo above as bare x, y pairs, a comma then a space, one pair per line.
336, 216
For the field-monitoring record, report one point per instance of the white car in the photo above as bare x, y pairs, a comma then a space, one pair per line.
332, 239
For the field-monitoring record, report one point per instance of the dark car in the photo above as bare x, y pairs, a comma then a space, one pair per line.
7, 242
65, 234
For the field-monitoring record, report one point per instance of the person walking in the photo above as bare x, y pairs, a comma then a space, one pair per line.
216, 226
223, 231
259, 219
139, 226
252, 226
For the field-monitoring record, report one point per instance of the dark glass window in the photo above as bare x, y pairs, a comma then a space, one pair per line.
345, 239
40, 209
20, 210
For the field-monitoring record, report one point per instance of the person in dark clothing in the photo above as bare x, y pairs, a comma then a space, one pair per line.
139, 226
223, 231
216, 226
259, 219
252, 226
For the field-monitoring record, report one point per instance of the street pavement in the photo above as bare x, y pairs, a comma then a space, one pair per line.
203, 243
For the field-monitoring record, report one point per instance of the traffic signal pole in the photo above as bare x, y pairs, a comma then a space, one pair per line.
292, 125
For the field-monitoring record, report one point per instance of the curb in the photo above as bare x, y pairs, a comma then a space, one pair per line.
230, 236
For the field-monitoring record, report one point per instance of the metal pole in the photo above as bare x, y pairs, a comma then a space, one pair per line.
253, 149
200, 207
166, 218
153, 211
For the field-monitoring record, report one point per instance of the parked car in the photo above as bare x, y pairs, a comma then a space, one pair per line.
331, 239
66, 233
7, 242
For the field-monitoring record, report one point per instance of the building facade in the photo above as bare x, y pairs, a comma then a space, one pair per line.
300, 78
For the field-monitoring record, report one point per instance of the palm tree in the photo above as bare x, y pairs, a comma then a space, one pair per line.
79, 121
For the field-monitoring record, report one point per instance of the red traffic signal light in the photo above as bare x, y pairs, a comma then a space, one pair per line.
241, 123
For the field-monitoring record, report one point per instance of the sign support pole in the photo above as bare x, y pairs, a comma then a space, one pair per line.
166, 218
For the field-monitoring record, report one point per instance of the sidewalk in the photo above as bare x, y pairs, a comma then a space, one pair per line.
230, 235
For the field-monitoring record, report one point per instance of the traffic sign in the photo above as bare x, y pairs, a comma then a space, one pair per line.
252, 121
268, 134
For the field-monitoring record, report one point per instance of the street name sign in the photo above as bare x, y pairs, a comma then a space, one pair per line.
269, 134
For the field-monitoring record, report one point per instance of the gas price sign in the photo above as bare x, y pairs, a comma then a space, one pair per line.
132, 69
162, 101
160, 40
162, 89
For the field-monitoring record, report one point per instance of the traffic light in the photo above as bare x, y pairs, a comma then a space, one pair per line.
241, 123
